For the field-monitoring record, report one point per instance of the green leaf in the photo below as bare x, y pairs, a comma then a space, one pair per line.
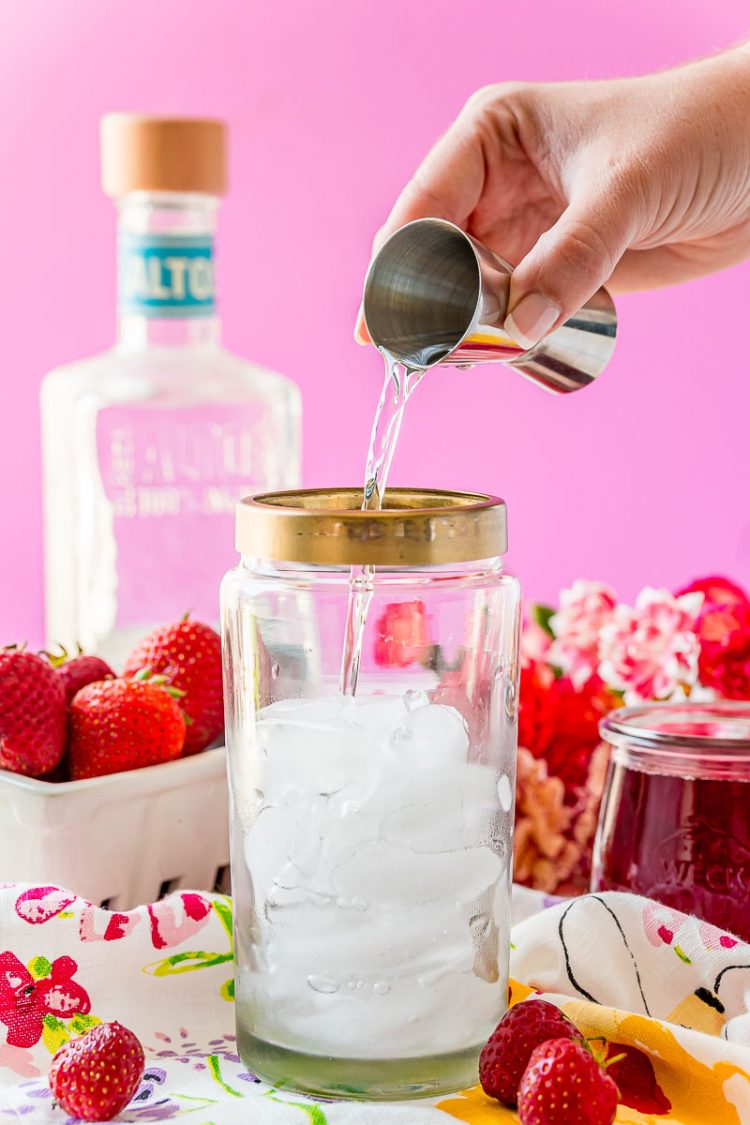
186, 963
227, 990
54, 1033
314, 1112
224, 909
213, 1066
80, 1024
39, 967
541, 614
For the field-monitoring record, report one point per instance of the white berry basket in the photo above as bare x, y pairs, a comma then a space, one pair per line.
123, 839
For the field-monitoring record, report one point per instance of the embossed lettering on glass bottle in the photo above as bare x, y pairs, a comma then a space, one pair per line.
148, 446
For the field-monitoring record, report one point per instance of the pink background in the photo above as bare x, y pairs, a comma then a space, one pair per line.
331, 104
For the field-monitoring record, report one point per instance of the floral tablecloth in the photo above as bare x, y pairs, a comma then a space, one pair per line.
626, 970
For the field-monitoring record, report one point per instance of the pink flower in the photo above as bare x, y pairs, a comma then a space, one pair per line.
584, 611
403, 635
715, 940
651, 650
101, 925
25, 1000
177, 918
661, 923
39, 904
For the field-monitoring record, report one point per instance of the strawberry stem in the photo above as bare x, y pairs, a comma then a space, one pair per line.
56, 659
614, 1059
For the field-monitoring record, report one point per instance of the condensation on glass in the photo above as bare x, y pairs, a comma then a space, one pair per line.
371, 835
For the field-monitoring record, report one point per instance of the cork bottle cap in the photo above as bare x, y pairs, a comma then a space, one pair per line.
143, 153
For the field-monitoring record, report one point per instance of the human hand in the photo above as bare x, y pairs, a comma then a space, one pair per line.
634, 183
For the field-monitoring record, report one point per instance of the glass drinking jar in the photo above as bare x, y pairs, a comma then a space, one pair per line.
675, 816
371, 833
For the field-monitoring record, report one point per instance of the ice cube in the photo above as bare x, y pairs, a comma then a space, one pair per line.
267, 847
505, 793
381, 870
414, 698
430, 737
391, 875
377, 715
440, 810
355, 940
454, 1013
311, 750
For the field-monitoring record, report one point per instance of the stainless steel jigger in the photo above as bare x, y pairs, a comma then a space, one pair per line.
433, 294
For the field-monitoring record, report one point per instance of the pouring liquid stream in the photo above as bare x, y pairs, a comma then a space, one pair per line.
398, 386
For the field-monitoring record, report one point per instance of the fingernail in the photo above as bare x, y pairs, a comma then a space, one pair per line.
360, 334
531, 318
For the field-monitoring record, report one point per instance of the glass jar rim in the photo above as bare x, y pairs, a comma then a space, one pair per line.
415, 527
703, 740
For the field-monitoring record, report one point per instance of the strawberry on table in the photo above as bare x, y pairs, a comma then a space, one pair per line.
564, 1083
123, 725
77, 672
189, 655
94, 1076
508, 1050
32, 713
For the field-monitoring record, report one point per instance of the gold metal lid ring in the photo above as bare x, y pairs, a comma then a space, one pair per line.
417, 527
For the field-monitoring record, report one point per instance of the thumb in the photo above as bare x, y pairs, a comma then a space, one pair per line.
567, 265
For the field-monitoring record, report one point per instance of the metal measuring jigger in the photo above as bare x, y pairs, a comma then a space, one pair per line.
433, 294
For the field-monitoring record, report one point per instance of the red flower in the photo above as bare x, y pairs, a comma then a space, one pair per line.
723, 629
402, 634
560, 723
716, 591
537, 707
24, 1001
636, 1080
724, 661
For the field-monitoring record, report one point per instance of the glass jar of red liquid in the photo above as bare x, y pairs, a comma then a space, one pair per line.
675, 816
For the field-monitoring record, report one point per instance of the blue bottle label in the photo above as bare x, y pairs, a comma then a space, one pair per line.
161, 275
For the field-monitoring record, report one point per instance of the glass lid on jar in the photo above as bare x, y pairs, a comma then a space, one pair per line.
710, 740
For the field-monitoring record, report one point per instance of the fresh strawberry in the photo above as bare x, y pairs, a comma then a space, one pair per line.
633, 1072
564, 1083
32, 713
123, 725
507, 1053
94, 1076
78, 671
189, 655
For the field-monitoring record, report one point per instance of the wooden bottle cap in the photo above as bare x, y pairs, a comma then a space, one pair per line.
144, 153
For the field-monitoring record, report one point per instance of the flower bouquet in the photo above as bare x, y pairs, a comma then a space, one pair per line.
585, 658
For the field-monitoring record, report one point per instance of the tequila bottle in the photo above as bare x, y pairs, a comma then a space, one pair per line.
148, 446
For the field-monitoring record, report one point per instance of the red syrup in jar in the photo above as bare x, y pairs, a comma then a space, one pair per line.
675, 818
